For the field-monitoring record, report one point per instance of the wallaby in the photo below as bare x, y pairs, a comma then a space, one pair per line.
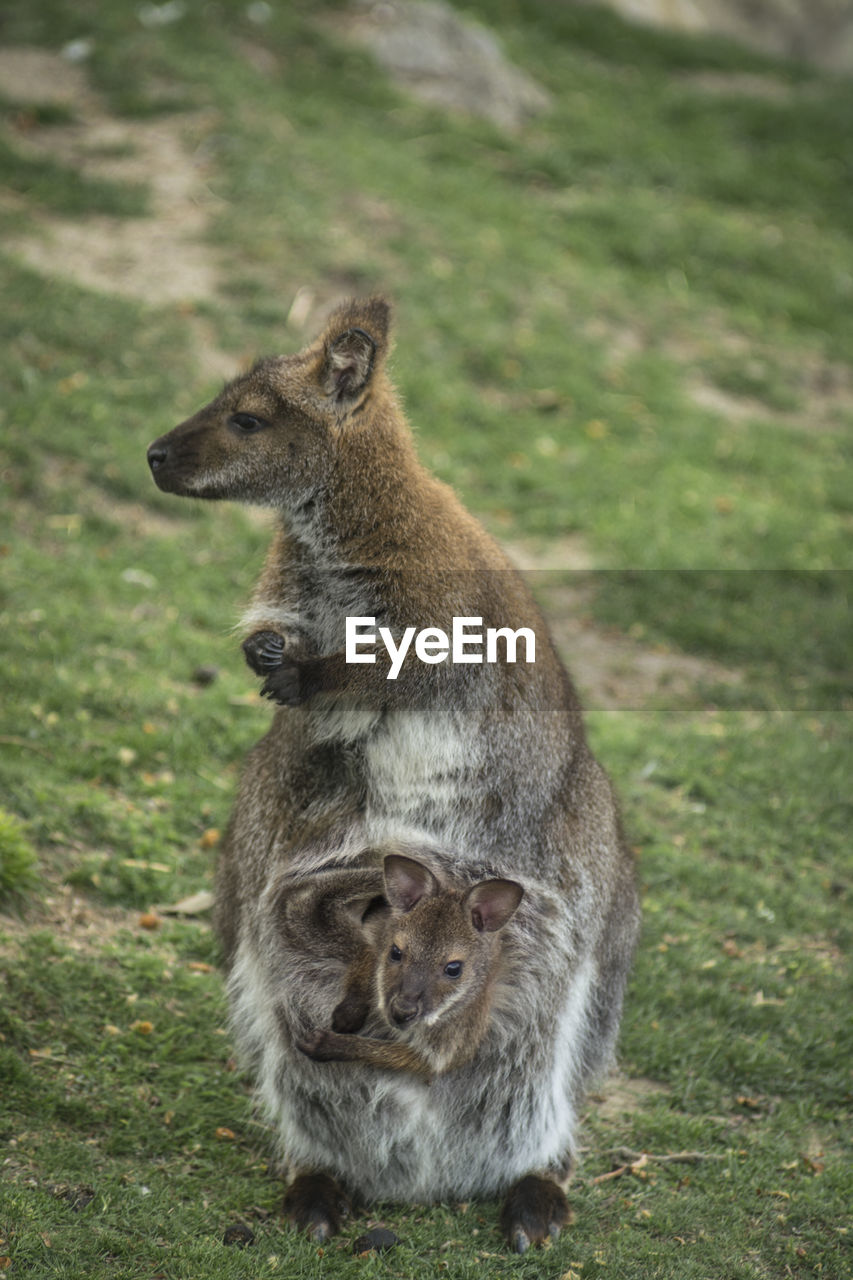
430, 964
486, 765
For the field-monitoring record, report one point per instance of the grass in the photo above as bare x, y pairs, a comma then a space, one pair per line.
666, 226
17, 857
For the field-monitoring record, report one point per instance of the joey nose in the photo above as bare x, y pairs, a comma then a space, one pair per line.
403, 1012
157, 455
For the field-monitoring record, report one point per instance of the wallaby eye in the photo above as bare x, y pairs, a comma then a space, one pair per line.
246, 423
453, 969
395, 953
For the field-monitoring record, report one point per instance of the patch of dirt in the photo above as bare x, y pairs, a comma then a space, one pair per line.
824, 387
705, 395
568, 552
86, 925
135, 517
610, 670
818, 31
742, 84
159, 258
259, 58
621, 1095
613, 673
83, 926
34, 77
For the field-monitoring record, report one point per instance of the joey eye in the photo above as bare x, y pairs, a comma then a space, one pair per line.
453, 969
246, 423
395, 954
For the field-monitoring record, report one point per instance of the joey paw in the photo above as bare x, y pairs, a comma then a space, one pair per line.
314, 1044
350, 1015
534, 1211
314, 1203
264, 651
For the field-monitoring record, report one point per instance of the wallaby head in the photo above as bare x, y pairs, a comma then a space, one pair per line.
271, 435
439, 945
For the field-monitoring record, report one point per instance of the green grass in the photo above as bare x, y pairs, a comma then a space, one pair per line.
17, 857
560, 295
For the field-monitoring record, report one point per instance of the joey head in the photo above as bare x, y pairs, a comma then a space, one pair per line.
429, 966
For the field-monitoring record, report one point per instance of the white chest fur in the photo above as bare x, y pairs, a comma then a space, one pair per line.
419, 768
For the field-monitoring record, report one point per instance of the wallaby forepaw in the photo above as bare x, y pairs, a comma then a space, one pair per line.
316, 1204
284, 686
264, 651
534, 1211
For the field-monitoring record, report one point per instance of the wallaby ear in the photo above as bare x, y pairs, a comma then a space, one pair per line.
491, 903
349, 364
356, 340
407, 881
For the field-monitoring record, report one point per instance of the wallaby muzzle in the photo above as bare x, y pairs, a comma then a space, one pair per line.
161, 460
157, 455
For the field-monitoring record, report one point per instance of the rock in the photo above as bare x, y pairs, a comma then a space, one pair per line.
818, 31
238, 1234
377, 1240
205, 675
448, 61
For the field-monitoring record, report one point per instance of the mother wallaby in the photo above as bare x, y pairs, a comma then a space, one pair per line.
481, 768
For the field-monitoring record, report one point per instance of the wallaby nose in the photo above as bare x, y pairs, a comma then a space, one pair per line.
403, 1011
156, 456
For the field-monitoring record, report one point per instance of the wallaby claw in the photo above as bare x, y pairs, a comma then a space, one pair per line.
283, 686
520, 1241
264, 651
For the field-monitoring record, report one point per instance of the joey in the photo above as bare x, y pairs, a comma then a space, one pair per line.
429, 964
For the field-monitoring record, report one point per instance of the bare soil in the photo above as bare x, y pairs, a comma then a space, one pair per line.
160, 258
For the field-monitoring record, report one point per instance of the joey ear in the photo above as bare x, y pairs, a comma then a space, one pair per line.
407, 881
492, 902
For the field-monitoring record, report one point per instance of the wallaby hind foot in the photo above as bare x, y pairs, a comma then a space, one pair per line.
316, 1204
535, 1210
